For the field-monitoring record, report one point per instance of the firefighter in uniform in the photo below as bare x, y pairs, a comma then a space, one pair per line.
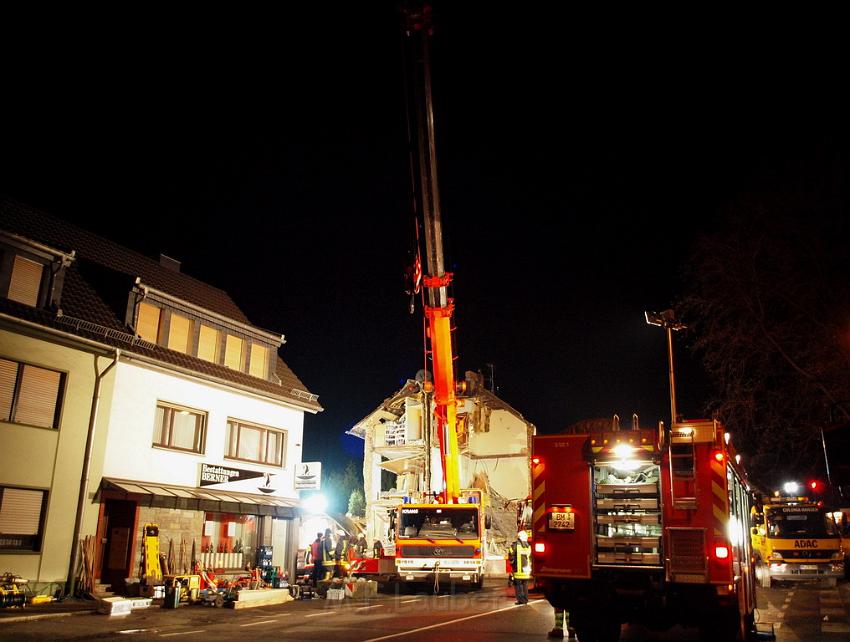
521, 565
328, 561
341, 554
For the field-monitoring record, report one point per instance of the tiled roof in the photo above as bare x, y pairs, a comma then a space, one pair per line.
94, 299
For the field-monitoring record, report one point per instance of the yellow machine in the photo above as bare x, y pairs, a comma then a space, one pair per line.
795, 538
11, 593
152, 569
190, 586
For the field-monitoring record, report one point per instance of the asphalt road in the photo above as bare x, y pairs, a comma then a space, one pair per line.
802, 613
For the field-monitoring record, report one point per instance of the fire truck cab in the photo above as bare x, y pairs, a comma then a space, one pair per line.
442, 541
644, 525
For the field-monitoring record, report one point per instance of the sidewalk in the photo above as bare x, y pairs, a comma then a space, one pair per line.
69, 606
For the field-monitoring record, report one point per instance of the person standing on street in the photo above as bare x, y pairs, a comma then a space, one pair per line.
341, 554
328, 555
521, 564
316, 559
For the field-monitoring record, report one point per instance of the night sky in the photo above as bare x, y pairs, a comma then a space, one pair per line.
578, 161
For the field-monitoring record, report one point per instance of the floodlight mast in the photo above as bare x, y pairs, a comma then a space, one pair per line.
667, 320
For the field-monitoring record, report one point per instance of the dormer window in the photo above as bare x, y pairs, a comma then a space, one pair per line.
172, 323
31, 273
25, 283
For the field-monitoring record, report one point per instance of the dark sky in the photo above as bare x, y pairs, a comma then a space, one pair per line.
579, 158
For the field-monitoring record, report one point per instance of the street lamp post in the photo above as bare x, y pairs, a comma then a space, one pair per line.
667, 320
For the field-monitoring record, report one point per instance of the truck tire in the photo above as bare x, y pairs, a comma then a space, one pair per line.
829, 582
763, 575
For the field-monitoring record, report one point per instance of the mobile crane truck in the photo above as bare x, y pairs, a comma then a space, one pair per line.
443, 536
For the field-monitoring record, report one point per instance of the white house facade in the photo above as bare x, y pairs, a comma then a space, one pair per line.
133, 394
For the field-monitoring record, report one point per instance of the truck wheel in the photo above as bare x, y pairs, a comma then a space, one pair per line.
763, 574
219, 601
830, 582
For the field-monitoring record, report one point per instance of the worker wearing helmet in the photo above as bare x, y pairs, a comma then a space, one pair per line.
328, 560
341, 554
521, 565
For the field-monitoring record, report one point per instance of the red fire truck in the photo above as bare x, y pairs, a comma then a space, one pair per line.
644, 525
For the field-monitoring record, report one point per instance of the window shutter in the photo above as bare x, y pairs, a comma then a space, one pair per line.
8, 375
259, 361
26, 281
20, 511
233, 352
38, 396
179, 334
147, 326
208, 343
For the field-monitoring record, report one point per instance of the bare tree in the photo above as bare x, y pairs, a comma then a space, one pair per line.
767, 301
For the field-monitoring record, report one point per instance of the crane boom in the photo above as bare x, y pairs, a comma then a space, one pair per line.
440, 307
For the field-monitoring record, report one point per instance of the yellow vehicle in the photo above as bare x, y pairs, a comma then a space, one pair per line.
795, 538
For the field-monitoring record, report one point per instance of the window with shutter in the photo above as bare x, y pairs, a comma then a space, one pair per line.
26, 281
233, 352
30, 395
20, 518
37, 399
147, 327
8, 377
208, 342
259, 361
180, 334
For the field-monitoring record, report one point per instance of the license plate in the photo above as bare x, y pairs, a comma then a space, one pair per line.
562, 521
808, 567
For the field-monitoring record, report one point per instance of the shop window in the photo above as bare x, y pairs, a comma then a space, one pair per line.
26, 281
180, 334
208, 343
259, 361
30, 395
254, 443
179, 428
21, 518
147, 326
228, 540
234, 352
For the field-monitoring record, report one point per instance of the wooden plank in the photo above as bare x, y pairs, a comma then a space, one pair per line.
264, 597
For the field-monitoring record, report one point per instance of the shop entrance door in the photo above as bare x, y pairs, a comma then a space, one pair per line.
119, 520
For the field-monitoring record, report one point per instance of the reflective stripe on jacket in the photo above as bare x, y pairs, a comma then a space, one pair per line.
328, 553
522, 557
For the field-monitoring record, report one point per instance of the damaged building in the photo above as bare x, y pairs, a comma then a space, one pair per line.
401, 448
